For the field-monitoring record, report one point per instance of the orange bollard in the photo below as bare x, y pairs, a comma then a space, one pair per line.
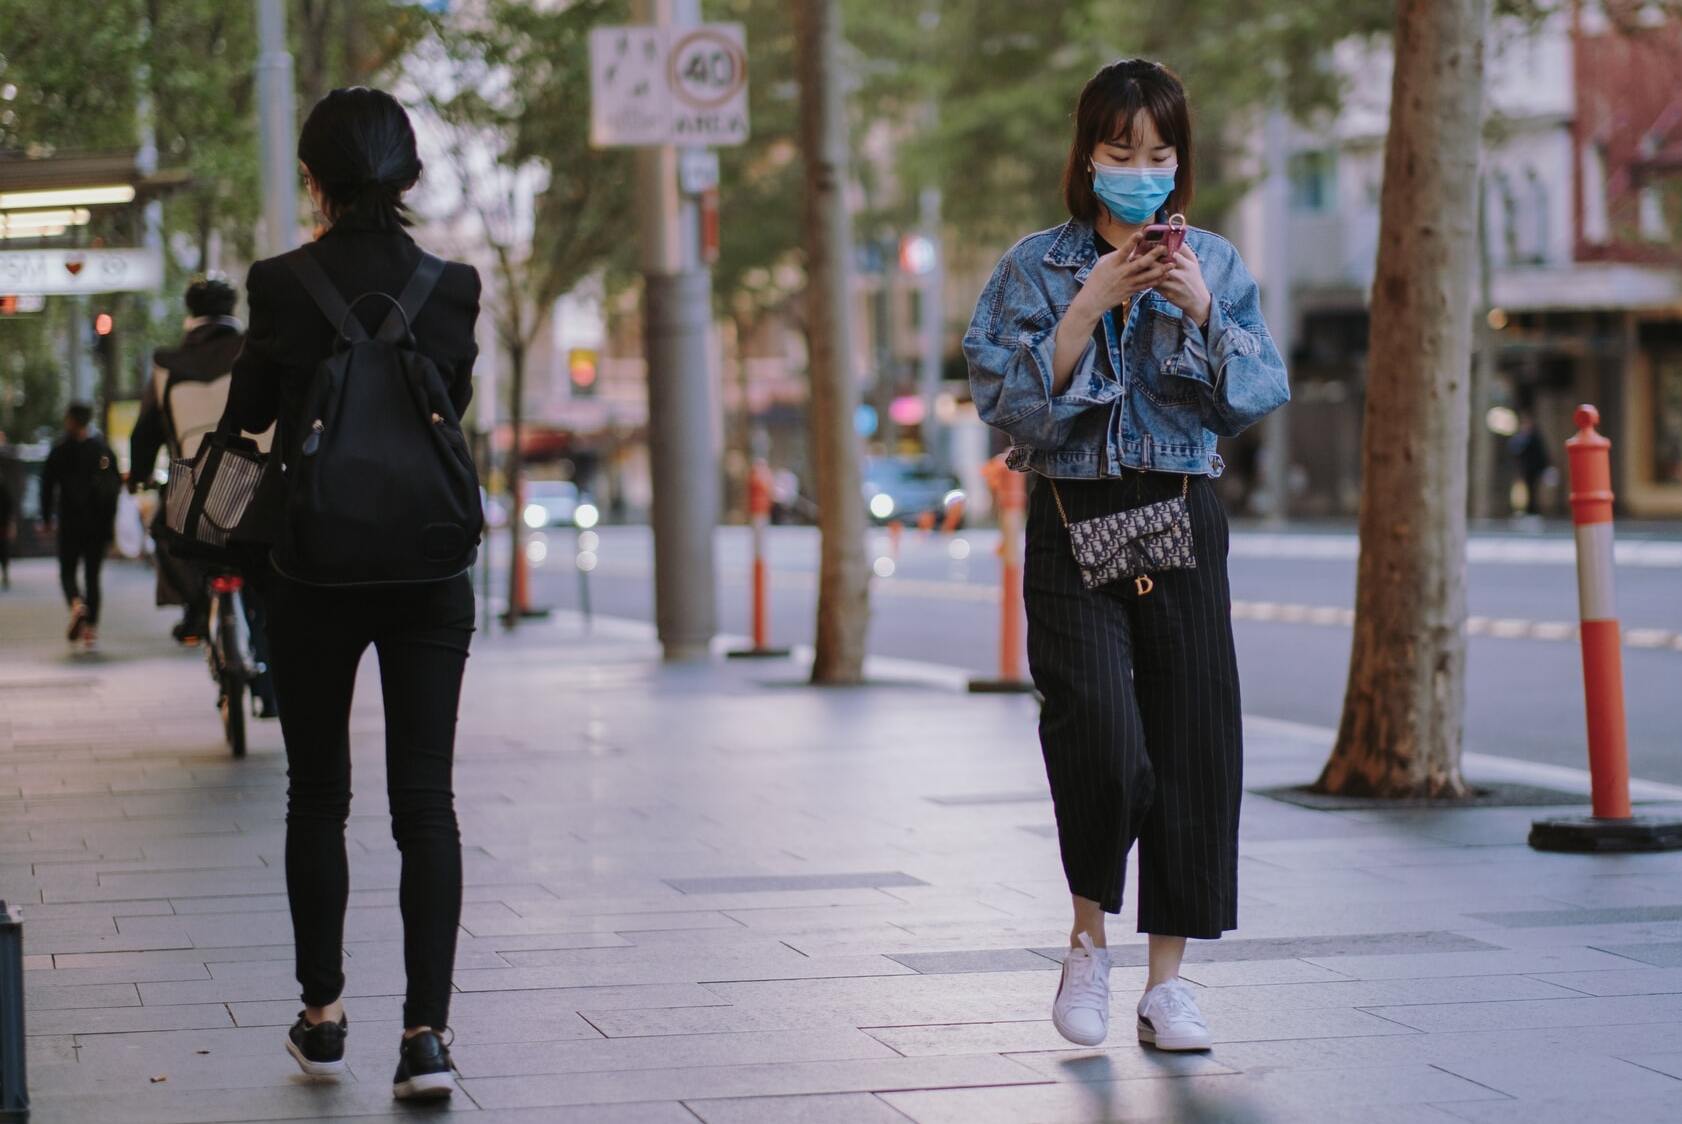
1611, 827
759, 517
1590, 457
925, 522
896, 531
519, 592
1010, 494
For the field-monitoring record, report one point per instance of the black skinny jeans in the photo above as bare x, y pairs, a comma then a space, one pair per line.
316, 638
80, 549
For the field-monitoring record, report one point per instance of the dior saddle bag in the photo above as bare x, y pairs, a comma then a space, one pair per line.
1134, 543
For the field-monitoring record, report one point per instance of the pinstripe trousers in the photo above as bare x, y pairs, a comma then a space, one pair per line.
1141, 726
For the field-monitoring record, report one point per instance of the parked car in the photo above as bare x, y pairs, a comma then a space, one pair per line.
905, 488
788, 503
550, 503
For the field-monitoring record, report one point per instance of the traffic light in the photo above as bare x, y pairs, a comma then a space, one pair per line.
582, 370
104, 336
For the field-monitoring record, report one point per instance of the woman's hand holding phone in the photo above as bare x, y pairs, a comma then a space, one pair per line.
1123, 272
1184, 286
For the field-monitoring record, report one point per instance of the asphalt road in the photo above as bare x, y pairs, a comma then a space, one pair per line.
1291, 594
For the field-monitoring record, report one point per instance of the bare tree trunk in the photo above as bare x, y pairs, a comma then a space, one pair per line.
1403, 713
843, 578
312, 62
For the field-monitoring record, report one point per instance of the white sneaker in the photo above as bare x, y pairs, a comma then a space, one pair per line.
1081, 1012
1169, 1018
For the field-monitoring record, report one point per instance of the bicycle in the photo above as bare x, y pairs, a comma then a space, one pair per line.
231, 655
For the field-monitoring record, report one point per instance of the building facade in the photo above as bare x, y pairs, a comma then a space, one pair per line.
1582, 202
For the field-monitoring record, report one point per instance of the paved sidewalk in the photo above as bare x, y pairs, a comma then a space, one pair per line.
714, 894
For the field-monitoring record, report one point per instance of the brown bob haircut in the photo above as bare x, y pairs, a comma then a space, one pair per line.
1108, 105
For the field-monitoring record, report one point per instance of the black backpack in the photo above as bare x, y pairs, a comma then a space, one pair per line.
380, 485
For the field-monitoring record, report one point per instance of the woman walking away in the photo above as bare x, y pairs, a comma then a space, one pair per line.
415, 609
1113, 350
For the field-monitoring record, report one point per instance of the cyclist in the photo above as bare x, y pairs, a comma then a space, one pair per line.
182, 402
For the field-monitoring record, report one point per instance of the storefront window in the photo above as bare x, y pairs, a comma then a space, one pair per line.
1667, 417
1313, 177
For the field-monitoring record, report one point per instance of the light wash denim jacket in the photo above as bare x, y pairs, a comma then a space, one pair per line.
1179, 386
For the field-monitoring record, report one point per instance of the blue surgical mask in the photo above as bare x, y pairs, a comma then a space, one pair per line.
1133, 195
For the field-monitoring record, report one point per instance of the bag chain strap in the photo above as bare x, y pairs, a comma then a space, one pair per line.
1185, 490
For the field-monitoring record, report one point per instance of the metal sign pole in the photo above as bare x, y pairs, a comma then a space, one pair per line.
677, 324
275, 115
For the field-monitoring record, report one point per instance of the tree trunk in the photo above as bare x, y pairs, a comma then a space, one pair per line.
1404, 709
843, 578
311, 60
516, 473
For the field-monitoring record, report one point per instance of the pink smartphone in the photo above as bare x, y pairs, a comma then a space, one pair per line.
1170, 234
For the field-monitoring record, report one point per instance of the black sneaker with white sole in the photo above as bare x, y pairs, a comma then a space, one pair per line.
318, 1048
423, 1068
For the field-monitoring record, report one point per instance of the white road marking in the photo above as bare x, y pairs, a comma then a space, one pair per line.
1324, 616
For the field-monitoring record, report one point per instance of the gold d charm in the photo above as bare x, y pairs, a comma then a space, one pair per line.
1143, 584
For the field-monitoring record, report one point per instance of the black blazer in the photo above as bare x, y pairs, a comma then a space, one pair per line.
288, 334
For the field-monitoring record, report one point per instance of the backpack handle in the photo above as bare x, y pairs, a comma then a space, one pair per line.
408, 336
327, 298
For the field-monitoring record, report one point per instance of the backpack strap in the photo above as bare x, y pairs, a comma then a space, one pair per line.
320, 288
401, 320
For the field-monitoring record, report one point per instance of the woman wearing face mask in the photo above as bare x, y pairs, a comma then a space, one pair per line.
1113, 366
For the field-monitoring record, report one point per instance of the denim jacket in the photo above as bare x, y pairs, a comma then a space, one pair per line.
1179, 386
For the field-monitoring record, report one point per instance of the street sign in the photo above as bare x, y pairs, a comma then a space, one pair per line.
668, 85
697, 170
43, 272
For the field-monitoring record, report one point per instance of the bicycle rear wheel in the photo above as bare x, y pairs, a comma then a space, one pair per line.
233, 711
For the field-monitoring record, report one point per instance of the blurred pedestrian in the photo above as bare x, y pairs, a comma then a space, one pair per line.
79, 487
1113, 360
1529, 450
358, 154
8, 530
183, 401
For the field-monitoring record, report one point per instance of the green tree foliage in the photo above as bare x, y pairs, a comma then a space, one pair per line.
70, 70
509, 90
201, 58
1004, 80
79, 75
976, 97
759, 200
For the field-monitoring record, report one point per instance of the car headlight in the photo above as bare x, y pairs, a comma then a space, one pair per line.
536, 515
586, 516
881, 505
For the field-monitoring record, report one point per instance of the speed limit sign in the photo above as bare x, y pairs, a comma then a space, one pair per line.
657, 85
707, 69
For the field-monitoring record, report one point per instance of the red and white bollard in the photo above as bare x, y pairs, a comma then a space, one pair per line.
1010, 499
759, 518
1611, 827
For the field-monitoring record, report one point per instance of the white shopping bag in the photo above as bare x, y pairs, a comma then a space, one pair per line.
131, 532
